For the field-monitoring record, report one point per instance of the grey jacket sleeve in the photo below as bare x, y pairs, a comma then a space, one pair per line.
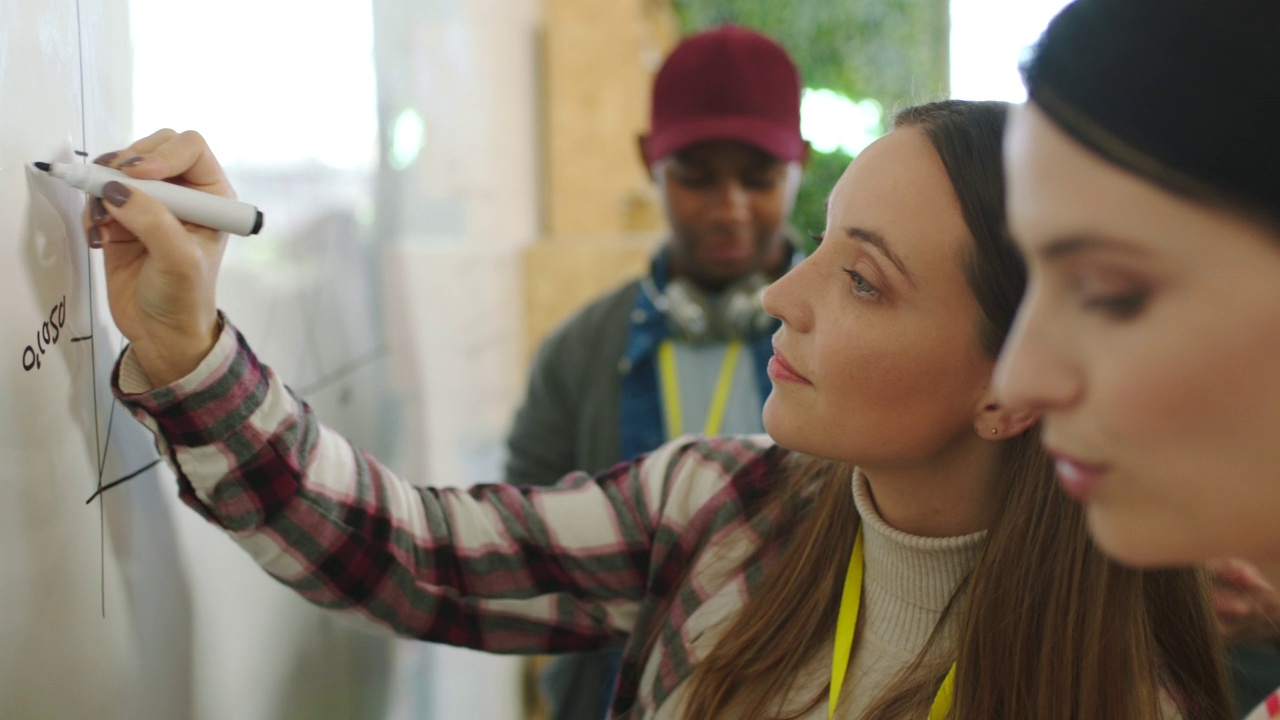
540, 447
569, 417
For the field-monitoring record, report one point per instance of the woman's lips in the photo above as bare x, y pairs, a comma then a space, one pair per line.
1080, 479
781, 370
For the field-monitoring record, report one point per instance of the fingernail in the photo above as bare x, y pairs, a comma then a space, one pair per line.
116, 193
94, 237
106, 158
97, 211
131, 161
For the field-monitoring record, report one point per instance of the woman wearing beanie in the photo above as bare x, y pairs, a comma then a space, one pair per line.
1143, 194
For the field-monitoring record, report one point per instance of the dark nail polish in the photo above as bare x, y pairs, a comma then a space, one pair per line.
97, 211
94, 237
116, 193
106, 158
131, 161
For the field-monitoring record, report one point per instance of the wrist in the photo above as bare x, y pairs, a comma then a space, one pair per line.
168, 360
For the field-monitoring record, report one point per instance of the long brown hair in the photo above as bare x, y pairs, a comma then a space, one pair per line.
1049, 628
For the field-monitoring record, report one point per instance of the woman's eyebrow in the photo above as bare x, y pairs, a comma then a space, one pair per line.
1071, 245
877, 240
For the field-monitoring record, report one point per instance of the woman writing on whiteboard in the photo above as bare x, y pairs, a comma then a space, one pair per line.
896, 548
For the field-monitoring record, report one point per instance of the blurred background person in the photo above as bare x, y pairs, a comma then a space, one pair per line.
683, 349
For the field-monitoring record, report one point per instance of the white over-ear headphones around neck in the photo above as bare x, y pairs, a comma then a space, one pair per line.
696, 316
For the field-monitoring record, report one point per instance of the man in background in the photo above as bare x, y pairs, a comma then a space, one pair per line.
683, 349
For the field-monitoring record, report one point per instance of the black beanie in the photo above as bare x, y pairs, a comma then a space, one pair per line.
1183, 92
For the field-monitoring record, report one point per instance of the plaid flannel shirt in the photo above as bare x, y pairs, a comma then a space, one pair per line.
590, 563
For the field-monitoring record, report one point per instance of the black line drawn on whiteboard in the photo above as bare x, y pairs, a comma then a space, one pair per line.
124, 479
102, 459
342, 372
93, 354
102, 445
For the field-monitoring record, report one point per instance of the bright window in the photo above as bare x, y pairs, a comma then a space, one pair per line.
988, 38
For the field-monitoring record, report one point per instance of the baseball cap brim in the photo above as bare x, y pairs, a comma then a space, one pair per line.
783, 142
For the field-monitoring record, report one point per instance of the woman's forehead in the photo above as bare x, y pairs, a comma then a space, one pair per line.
1057, 187
1060, 191
899, 188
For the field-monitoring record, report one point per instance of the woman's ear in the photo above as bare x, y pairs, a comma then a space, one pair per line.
994, 422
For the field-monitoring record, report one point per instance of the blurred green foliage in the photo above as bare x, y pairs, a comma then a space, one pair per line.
895, 51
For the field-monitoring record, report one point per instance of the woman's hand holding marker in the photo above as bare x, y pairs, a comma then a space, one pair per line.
161, 273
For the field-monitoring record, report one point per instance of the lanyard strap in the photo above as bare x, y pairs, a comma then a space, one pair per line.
671, 389
847, 623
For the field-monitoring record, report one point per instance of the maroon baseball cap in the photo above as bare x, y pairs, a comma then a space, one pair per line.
727, 83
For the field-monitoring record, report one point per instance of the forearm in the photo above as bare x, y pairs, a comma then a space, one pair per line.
478, 568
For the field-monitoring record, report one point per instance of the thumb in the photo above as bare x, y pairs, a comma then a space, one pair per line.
148, 220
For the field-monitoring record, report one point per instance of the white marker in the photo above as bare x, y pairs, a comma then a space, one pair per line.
202, 208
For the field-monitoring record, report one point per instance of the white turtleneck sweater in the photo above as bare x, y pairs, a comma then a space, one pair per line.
907, 582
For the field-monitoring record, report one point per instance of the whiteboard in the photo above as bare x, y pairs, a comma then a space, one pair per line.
129, 606
93, 605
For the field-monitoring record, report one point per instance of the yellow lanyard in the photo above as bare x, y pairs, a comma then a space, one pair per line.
671, 389
847, 622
